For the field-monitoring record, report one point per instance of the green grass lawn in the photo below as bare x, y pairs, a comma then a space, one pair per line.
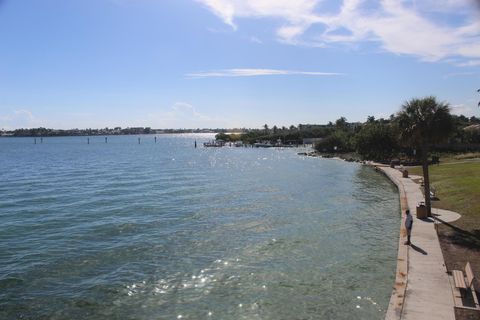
457, 181
458, 188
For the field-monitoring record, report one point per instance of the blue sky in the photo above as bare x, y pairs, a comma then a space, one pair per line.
231, 63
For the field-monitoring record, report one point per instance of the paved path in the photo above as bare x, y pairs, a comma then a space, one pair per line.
424, 292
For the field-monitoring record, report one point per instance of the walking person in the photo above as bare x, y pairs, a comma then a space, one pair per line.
408, 226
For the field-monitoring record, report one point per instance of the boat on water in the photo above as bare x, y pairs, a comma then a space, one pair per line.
269, 144
263, 145
214, 144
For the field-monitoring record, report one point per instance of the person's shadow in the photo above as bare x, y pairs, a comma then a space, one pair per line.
418, 249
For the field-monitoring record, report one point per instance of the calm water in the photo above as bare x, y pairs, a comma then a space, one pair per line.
166, 231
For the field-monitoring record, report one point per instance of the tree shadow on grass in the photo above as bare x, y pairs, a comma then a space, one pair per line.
460, 237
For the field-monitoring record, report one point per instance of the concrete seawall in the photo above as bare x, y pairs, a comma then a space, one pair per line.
397, 299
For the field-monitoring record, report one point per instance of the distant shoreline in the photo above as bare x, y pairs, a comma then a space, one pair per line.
106, 134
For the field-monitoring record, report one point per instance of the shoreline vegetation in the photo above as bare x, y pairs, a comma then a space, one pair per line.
46, 132
374, 139
379, 140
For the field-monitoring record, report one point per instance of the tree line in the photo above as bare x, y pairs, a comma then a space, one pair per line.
375, 139
48, 132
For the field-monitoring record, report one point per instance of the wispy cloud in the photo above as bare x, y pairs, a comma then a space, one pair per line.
430, 30
459, 74
257, 72
463, 109
182, 115
470, 63
20, 118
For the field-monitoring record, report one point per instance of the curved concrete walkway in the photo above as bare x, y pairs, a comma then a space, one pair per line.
422, 288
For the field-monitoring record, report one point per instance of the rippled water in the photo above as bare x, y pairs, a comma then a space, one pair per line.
165, 231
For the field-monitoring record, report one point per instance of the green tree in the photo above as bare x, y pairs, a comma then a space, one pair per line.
422, 123
338, 141
376, 141
341, 124
222, 136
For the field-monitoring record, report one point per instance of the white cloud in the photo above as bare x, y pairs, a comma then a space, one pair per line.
185, 110
182, 115
257, 72
431, 30
470, 63
463, 109
20, 118
223, 9
459, 74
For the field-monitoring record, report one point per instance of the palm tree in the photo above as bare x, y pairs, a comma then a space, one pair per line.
265, 128
341, 123
424, 122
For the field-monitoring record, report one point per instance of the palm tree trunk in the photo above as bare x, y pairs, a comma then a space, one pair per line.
426, 181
